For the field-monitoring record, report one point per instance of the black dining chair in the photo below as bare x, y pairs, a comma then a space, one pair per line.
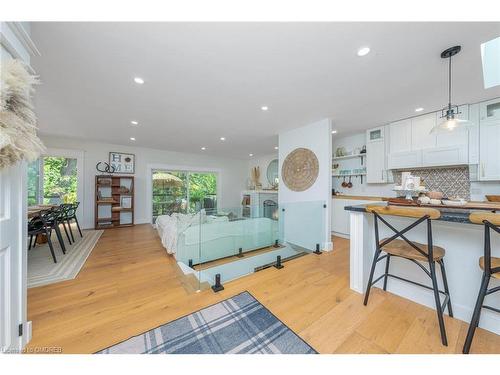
70, 214
44, 224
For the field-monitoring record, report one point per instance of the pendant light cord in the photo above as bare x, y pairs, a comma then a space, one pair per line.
449, 84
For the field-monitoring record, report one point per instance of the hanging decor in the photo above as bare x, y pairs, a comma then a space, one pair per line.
450, 113
18, 139
300, 169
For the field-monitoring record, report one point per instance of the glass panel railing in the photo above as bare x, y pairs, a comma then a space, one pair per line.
219, 245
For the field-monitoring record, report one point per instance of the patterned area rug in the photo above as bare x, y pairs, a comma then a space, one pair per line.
41, 268
239, 325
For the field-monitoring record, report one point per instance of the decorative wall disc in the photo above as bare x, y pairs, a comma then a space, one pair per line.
300, 169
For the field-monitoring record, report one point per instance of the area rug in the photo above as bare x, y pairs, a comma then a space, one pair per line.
237, 325
43, 271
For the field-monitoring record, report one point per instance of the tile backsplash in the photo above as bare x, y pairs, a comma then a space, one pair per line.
452, 182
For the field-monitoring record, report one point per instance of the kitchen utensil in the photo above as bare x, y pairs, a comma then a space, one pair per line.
349, 185
344, 184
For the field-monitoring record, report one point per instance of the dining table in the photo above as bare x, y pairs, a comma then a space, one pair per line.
34, 211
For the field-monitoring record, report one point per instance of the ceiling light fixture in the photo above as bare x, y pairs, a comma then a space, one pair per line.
134, 122
450, 113
419, 109
222, 139
138, 80
275, 147
250, 154
334, 132
363, 51
203, 148
132, 138
264, 108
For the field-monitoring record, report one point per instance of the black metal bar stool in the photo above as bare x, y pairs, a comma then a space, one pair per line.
490, 267
412, 251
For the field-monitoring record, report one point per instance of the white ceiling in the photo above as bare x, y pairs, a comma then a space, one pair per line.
207, 80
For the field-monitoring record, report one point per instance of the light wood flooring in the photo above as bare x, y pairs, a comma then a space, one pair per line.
129, 284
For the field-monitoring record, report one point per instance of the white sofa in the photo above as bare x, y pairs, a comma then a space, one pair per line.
220, 239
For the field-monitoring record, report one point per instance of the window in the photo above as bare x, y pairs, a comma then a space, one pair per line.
183, 192
52, 180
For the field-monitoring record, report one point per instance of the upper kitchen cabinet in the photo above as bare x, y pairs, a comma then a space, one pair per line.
490, 110
421, 136
375, 161
400, 136
489, 154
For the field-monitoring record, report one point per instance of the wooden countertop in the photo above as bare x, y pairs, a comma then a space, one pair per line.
360, 197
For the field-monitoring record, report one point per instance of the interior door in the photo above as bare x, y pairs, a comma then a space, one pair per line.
13, 330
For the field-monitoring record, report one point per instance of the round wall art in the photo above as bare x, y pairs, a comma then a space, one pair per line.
300, 169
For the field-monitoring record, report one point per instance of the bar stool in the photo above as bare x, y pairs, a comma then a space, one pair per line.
490, 267
412, 251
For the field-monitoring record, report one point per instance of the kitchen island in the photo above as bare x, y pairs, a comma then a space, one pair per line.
464, 245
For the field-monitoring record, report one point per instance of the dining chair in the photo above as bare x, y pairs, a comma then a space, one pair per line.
44, 224
70, 214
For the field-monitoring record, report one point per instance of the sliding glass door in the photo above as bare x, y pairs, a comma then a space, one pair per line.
52, 180
183, 192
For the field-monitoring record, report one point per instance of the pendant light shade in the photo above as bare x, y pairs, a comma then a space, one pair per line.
450, 113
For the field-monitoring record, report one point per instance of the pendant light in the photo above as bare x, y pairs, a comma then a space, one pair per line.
450, 113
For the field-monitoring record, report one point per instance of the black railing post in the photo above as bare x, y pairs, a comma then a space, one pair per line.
276, 243
317, 251
218, 286
278, 264
240, 253
190, 263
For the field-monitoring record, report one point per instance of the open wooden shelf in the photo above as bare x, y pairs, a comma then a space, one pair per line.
109, 213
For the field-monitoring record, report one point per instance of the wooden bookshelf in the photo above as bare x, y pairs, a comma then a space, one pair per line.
110, 192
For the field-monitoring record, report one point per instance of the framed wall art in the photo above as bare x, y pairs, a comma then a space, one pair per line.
123, 163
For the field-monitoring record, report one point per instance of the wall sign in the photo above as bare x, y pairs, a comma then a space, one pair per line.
122, 163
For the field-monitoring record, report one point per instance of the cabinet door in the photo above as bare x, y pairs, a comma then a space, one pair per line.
455, 137
340, 217
489, 154
441, 156
408, 159
400, 136
375, 162
421, 136
490, 110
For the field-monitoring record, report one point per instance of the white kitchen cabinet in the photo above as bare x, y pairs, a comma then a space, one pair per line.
406, 159
341, 218
400, 136
489, 154
443, 156
490, 110
376, 155
421, 136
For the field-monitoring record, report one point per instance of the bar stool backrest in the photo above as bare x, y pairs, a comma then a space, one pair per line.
422, 214
490, 220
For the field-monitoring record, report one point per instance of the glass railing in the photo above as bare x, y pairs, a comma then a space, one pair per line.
219, 245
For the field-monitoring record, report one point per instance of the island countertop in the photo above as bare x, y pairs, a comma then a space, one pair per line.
451, 215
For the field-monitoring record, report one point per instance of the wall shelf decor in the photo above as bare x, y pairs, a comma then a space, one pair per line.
300, 169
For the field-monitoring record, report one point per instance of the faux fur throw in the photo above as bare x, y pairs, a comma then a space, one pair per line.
18, 139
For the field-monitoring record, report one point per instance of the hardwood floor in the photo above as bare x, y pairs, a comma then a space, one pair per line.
130, 284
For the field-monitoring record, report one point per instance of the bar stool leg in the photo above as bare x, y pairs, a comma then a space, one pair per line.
386, 270
370, 279
435, 287
477, 313
446, 289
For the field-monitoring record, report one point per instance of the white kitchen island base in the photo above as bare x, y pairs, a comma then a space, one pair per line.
464, 245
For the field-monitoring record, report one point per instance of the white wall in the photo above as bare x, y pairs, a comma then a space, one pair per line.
232, 173
317, 138
262, 162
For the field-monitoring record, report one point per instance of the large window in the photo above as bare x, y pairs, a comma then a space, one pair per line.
52, 180
183, 192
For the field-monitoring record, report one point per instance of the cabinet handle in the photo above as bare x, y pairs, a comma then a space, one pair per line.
482, 169
382, 175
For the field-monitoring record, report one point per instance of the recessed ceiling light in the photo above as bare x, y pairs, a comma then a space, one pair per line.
132, 138
134, 122
334, 132
203, 148
222, 138
419, 109
138, 80
250, 154
264, 108
275, 147
363, 51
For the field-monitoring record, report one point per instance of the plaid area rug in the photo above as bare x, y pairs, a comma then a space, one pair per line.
239, 324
